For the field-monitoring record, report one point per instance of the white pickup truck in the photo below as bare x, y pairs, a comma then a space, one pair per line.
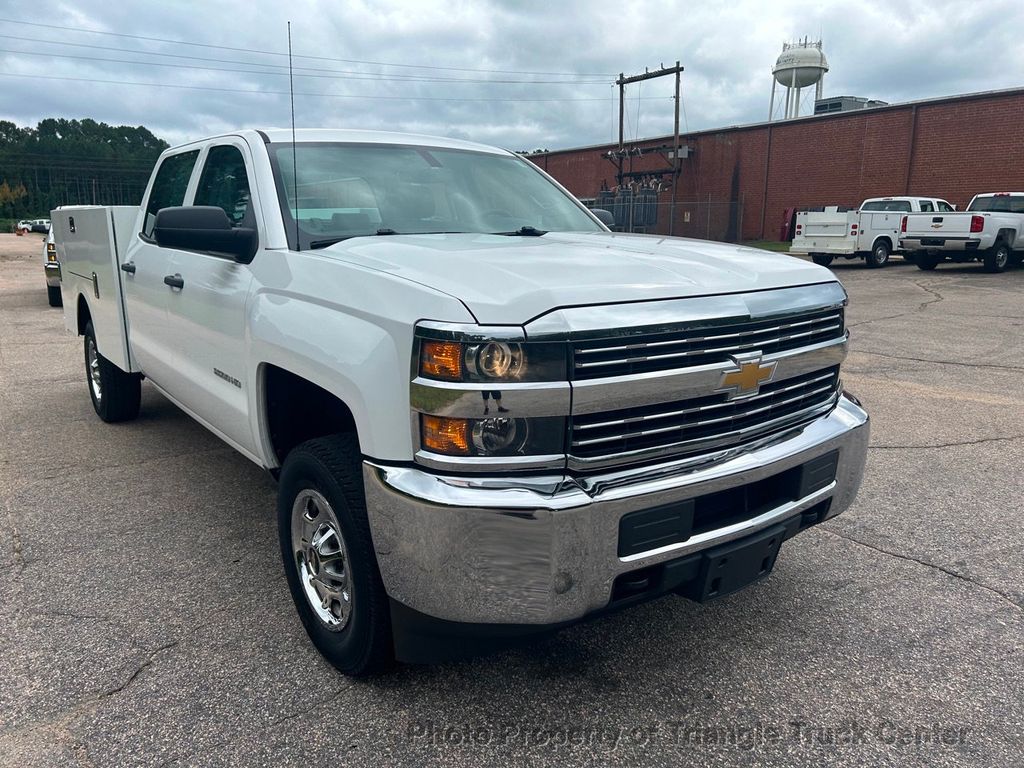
871, 232
488, 415
988, 231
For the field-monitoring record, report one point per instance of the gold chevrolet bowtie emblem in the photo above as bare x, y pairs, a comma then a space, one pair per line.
748, 376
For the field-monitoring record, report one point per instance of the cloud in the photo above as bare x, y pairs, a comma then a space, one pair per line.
894, 51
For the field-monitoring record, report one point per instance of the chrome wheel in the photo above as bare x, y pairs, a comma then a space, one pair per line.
321, 559
92, 359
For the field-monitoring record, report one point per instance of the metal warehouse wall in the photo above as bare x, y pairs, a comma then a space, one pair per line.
952, 147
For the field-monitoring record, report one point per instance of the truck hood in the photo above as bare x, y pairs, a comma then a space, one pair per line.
512, 280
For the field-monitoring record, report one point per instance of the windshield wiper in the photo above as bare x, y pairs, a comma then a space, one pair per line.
523, 232
333, 240
388, 231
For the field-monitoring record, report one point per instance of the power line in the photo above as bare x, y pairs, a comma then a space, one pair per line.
283, 67
303, 56
347, 76
258, 92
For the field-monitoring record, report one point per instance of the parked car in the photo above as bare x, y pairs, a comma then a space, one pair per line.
41, 225
51, 267
488, 415
989, 231
24, 225
871, 232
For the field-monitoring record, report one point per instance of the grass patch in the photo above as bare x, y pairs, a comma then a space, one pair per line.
768, 245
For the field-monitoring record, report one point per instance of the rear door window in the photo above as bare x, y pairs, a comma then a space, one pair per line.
169, 186
225, 184
926, 206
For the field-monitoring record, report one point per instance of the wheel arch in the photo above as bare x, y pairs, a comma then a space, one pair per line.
888, 241
82, 313
294, 409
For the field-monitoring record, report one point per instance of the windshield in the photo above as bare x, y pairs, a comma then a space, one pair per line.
997, 204
352, 190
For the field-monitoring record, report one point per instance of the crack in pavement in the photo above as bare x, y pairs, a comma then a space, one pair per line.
16, 543
936, 298
1003, 596
301, 712
980, 441
940, 362
148, 662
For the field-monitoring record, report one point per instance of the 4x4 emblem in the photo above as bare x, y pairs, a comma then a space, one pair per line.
746, 379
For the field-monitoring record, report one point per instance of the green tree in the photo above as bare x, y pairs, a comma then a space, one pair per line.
68, 162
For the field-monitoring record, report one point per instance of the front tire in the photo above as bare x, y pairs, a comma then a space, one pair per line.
878, 256
328, 555
53, 296
822, 259
115, 395
997, 257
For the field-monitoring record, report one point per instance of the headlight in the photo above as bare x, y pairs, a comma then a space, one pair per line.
494, 436
482, 393
490, 360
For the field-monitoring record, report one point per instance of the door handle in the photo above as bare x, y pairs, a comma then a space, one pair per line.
174, 281
129, 267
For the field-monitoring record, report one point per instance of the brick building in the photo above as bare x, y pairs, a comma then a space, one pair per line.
739, 182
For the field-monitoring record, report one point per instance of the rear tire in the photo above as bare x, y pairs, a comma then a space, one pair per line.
997, 257
53, 296
878, 256
822, 259
927, 261
115, 395
329, 558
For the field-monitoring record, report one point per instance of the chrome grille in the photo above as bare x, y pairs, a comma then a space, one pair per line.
701, 344
702, 423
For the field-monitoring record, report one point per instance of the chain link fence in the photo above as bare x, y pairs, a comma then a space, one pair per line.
642, 212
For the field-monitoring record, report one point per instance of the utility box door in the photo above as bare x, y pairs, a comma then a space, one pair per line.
87, 240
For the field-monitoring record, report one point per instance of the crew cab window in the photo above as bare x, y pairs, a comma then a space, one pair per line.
224, 183
169, 186
945, 207
926, 206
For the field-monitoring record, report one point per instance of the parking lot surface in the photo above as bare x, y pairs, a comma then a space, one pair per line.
145, 620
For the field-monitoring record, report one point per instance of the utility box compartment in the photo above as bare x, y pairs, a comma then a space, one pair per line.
90, 241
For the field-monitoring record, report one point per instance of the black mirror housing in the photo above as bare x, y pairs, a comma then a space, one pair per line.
605, 217
204, 228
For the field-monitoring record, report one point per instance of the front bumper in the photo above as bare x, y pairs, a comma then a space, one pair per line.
52, 269
545, 550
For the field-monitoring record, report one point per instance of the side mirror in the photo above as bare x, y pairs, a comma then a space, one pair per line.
204, 228
604, 216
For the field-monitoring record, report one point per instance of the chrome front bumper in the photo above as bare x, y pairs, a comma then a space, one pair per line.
52, 270
544, 550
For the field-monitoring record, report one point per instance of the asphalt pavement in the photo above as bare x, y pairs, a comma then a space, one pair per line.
145, 620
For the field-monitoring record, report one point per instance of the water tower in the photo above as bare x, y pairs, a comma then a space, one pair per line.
800, 65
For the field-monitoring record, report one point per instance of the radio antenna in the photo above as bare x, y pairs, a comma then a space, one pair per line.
295, 165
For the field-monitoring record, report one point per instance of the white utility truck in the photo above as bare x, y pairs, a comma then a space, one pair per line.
488, 415
989, 231
871, 232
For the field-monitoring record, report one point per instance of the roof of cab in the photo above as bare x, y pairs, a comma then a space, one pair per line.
284, 136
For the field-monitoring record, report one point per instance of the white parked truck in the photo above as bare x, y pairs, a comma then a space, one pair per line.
988, 231
871, 232
488, 415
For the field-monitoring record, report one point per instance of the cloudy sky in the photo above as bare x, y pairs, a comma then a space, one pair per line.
523, 75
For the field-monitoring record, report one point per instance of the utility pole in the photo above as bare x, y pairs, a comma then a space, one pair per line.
622, 82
